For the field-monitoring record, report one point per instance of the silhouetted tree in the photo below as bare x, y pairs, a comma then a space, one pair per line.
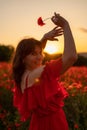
6, 52
81, 61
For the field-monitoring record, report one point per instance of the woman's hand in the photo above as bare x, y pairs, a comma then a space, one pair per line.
55, 32
59, 20
51, 35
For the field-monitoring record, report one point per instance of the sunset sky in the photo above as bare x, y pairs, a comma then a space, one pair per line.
18, 19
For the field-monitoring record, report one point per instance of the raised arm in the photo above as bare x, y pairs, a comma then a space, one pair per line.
69, 55
51, 35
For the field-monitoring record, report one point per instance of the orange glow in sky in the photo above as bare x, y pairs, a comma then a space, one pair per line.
52, 48
18, 19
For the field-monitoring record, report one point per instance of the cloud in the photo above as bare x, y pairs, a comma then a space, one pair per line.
83, 29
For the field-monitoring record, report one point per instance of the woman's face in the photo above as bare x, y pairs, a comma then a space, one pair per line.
34, 60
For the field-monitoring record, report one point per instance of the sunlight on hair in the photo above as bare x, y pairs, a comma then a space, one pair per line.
51, 48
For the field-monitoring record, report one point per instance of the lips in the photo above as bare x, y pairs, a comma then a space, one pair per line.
38, 63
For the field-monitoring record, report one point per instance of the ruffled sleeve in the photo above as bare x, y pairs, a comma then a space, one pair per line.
52, 91
44, 96
24, 102
55, 67
49, 90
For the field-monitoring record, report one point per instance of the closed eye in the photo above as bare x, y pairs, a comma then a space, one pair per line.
34, 53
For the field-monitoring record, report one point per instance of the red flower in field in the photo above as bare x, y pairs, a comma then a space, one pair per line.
9, 128
70, 87
73, 94
13, 90
76, 126
17, 124
0, 107
40, 21
85, 89
2, 115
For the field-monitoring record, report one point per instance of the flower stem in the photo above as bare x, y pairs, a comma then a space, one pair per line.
47, 19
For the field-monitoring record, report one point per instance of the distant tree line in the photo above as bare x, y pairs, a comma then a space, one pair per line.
81, 61
7, 52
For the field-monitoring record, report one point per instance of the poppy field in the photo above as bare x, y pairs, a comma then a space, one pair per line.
74, 81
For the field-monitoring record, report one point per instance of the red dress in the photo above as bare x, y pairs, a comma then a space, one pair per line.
44, 100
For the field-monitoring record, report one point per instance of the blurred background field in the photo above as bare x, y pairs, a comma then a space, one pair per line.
74, 81
18, 19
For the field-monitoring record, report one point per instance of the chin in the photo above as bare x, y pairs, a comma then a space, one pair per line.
38, 65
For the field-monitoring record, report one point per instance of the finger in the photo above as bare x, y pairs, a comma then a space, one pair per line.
53, 19
56, 14
53, 39
60, 31
55, 28
56, 32
60, 34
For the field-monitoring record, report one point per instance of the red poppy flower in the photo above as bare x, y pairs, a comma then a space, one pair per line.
40, 21
76, 126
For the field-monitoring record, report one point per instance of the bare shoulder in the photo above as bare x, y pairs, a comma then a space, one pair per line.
31, 76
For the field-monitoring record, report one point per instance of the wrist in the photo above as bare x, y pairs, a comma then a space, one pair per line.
43, 41
66, 25
44, 38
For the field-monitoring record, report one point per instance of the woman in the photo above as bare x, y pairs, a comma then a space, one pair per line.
38, 93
